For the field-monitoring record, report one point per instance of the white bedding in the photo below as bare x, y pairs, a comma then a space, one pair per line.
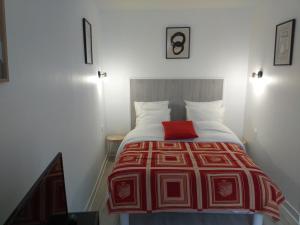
208, 131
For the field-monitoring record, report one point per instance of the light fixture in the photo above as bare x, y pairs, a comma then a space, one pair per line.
259, 74
102, 74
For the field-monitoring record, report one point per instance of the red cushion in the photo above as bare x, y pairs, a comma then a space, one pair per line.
179, 130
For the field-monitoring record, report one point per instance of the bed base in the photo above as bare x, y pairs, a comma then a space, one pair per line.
258, 219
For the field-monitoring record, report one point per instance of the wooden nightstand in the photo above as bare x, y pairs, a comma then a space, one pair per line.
112, 144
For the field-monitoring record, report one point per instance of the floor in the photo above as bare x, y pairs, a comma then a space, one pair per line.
163, 219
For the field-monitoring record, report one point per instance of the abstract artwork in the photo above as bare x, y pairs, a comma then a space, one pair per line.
178, 42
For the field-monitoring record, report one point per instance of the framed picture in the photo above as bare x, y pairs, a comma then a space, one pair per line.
88, 41
178, 42
3, 46
284, 43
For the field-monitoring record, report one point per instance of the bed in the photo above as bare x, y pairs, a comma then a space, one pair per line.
209, 174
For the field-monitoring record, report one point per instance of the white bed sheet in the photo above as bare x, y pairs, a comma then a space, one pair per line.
208, 131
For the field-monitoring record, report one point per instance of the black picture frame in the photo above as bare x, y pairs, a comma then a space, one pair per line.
284, 38
183, 33
88, 41
4, 71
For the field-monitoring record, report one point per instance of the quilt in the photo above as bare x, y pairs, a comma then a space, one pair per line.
162, 176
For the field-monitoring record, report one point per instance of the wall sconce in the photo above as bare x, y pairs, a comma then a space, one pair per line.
259, 74
102, 74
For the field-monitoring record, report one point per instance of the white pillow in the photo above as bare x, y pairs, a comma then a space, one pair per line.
213, 104
205, 114
146, 106
205, 111
153, 117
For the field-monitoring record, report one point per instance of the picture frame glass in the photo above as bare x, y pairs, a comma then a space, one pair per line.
178, 42
284, 43
88, 42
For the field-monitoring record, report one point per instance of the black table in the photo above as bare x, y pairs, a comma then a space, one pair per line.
78, 218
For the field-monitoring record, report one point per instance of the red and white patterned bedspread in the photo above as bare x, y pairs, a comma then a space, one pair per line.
154, 176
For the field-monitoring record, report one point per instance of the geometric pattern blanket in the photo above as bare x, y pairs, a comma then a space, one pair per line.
160, 176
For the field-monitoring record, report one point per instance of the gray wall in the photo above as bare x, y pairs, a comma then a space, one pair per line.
52, 102
272, 121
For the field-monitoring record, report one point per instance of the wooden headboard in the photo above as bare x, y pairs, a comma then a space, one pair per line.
176, 91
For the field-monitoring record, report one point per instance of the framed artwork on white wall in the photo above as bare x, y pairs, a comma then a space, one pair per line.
88, 41
284, 43
178, 42
3, 46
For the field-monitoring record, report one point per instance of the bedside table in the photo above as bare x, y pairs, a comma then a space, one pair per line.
112, 143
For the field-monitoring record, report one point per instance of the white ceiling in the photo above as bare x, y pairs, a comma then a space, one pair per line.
172, 4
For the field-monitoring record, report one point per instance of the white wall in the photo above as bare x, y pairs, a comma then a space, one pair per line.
51, 103
134, 47
272, 124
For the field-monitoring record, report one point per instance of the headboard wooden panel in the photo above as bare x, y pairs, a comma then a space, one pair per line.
176, 91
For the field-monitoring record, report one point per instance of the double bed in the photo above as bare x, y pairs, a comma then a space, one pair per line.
208, 174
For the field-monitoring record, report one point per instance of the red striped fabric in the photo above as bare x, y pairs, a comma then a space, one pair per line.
156, 176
